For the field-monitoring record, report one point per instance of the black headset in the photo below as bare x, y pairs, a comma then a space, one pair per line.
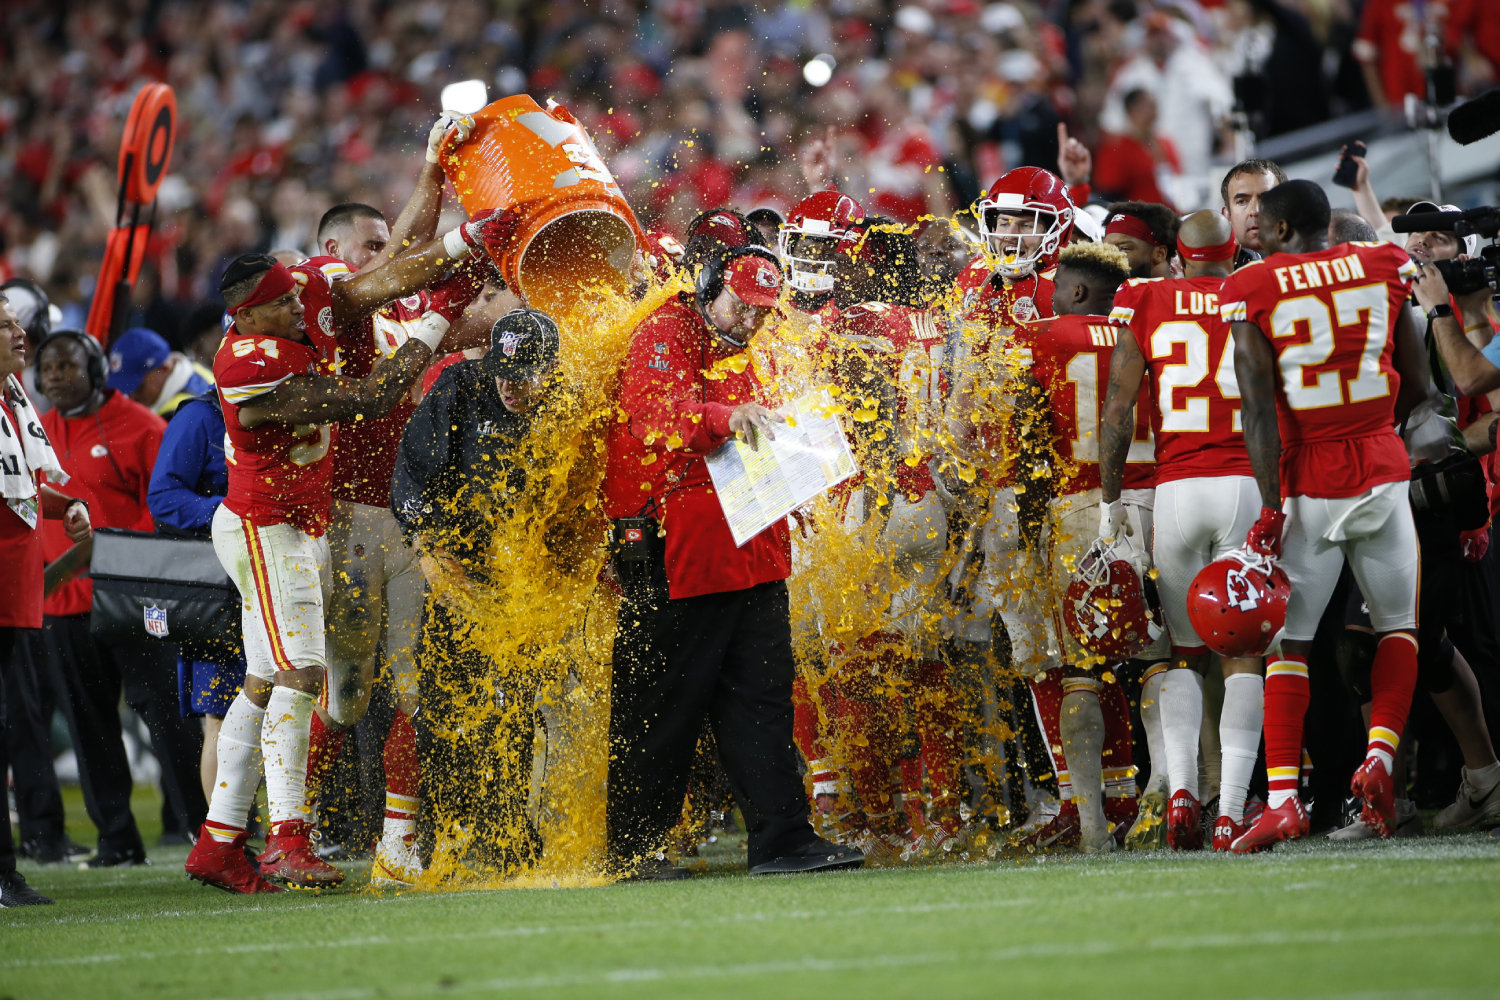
710, 283
40, 326
98, 364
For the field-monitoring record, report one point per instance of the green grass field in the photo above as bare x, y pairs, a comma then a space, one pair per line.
1407, 919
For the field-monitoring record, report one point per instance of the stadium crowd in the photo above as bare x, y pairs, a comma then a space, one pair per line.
1090, 155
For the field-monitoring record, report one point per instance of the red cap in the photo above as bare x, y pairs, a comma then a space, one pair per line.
722, 226
754, 279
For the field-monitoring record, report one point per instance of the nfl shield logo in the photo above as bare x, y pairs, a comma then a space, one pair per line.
156, 622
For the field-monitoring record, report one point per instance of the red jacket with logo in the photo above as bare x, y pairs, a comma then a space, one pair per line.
677, 390
109, 456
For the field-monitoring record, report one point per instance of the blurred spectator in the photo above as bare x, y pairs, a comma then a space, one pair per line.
1192, 94
1398, 40
1137, 165
1275, 43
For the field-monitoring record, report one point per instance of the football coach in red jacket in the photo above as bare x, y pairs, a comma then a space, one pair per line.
704, 627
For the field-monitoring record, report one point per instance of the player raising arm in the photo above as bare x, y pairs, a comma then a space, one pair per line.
280, 395
1328, 359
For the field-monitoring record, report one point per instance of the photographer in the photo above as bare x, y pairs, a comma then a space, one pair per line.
705, 625
457, 455
1456, 628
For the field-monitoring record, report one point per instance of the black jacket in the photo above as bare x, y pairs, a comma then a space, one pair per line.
454, 463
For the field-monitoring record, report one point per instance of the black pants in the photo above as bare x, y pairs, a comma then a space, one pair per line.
89, 678
474, 739
7, 643
727, 656
29, 704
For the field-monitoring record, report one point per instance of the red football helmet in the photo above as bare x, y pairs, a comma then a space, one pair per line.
663, 252
1237, 604
828, 216
1107, 608
1023, 192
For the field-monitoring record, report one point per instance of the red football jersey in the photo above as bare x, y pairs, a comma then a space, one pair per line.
989, 300
1195, 400
278, 473
1329, 316
1070, 360
364, 454
903, 347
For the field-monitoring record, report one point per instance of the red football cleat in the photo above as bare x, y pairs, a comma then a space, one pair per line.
1288, 822
289, 858
1184, 821
1373, 786
1227, 831
224, 866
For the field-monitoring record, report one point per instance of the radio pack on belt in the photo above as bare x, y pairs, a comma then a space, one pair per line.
637, 549
150, 586
1453, 489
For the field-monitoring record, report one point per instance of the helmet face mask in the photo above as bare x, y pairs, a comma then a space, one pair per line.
812, 260
811, 240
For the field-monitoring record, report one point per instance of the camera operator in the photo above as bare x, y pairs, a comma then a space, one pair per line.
705, 625
1451, 507
456, 455
1462, 335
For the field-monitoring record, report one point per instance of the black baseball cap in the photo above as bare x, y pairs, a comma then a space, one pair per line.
524, 345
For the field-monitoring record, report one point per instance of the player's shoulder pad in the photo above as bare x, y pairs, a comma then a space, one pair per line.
1247, 266
1134, 282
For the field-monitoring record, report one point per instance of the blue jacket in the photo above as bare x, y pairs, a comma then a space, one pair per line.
190, 479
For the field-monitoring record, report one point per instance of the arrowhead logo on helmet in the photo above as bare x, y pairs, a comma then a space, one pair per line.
1110, 610
1237, 604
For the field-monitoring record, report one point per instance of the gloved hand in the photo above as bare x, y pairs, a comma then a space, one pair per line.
1265, 534
1474, 544
1112, 523
448, 121
452, 295
490, 227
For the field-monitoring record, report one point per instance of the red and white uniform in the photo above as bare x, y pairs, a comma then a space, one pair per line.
1069, 358
988, 299
1206, 498
383, 585
268, 533
1330, 316
901, 349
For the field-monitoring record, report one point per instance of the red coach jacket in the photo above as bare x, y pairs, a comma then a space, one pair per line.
110, 456
677, 390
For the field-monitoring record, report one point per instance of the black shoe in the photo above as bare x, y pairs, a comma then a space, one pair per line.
15, 892
174, 839
818, 856
657, 868
112, 857
53, 850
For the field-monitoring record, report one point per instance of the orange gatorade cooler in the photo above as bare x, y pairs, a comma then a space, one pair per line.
576, 228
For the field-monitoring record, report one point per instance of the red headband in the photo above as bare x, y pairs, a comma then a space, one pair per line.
273, 285
1221, 251
1129, 225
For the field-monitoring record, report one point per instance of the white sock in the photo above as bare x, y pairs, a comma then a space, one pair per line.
1155, 738
239, 764
1082, 728
1484, 777
1239, 739
284, 740
1181, 720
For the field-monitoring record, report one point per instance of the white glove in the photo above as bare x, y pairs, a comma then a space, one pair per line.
1112, 523
448, 121
430, 330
